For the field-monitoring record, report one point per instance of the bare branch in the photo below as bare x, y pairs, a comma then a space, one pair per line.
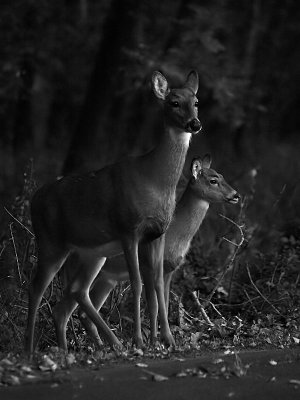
250, 300
201, 308
232, 258
239, 227
260, 293
216, 310
15, 249
19, 222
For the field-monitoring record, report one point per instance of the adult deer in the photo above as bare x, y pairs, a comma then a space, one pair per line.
112, 211
204, 187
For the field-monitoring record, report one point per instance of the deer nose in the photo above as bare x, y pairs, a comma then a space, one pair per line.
234, 198
194, 125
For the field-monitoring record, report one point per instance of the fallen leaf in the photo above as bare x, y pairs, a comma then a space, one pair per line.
47, 364
273, 362
26, 368
294, 381
141, 365
138, 352
32, 377
13, 380
70, 359
159, 378
201, 374
195, 337
6, 362
181, 374
156, 377
218, 361
226, 352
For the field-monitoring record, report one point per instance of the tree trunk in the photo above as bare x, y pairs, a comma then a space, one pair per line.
90, 147
22, 137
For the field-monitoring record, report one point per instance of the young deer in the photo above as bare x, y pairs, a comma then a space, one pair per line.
205, 186
111, 211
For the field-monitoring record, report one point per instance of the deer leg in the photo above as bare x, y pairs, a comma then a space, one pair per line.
151, 303
98, 295
50, 261
61, 314
131, 254
63, 310
155, 263
78, 293
167, 283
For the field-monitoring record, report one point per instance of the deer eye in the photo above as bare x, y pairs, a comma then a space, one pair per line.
196, 104
174, 104
213, 182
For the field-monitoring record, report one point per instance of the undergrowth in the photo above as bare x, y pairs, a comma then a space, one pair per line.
228, 293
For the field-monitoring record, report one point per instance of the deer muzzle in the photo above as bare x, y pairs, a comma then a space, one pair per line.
234, 198
194, 126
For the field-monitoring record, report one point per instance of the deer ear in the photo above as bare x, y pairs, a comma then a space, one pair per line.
192, 81
206, 161
160, 85
196, 167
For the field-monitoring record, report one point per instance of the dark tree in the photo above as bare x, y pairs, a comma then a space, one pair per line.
95, 133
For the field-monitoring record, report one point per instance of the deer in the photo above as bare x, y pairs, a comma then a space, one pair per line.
112, 211
204, 187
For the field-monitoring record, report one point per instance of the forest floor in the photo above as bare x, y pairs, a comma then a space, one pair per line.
263, 374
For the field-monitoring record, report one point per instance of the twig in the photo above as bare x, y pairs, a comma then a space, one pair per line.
280, 277
237, 247
201, 308
214, 307
273, 276
296, 283
232, 258
180, 305
18, 330
279, 197
250, 300
186, 315
260, 293
115, 301
239, 227
216, 310
19, 222
77, 344
3, 248
238, 305
25, 256
15, 249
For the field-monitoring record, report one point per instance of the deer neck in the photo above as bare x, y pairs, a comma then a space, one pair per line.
164, 164
191, 211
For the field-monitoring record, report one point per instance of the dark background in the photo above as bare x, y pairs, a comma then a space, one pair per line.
74, 85
75, 95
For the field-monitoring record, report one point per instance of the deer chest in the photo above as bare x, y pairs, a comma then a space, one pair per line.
156, 220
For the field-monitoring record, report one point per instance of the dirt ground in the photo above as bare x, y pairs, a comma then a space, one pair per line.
271, 374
